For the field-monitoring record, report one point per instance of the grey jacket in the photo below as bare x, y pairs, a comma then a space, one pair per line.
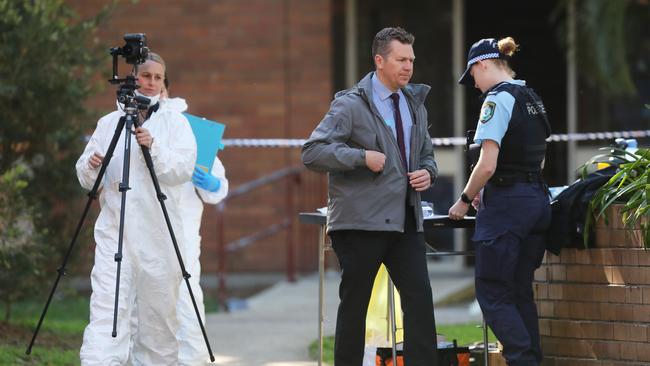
358, 198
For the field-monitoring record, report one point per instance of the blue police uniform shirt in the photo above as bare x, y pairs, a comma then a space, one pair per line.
381, 99
495, 115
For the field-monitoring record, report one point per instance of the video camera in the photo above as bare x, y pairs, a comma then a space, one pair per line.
135, 52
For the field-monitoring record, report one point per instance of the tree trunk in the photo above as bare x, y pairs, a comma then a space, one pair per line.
7, 310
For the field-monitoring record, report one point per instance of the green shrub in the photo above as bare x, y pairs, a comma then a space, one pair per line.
630, 186
49, 62
22, 253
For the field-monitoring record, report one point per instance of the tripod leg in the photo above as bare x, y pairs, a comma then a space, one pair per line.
61, 271
186, 275
91, 196
124, 187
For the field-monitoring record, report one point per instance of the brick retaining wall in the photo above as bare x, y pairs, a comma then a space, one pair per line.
594, 304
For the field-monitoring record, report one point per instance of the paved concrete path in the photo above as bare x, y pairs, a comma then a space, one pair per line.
277, 326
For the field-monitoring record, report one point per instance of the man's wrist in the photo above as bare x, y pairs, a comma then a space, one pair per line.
465, 198
361, 160
433, 173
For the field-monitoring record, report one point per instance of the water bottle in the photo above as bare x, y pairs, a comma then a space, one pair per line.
427, 209
632, 146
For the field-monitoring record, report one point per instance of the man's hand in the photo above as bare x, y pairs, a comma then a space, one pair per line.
143, 137
420, 179
375, 160
95, 160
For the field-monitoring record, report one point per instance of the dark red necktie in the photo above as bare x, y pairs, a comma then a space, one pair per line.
398, 128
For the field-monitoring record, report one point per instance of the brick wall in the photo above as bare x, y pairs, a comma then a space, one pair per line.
262, 67
594, 304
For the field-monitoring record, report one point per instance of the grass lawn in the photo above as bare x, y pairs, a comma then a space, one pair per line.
46, 356
464, 334
60, 337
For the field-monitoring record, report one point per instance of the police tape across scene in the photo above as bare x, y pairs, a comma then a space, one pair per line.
447, 141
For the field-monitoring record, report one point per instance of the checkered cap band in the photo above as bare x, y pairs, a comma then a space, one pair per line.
482, 57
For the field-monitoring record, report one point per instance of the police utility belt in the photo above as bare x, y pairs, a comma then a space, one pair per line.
505, 179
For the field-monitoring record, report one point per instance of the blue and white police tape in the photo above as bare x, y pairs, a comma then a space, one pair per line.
446, 141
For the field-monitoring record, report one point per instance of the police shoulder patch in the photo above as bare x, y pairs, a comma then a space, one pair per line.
487, 111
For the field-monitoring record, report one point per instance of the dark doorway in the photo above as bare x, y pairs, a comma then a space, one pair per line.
540, 61
430, 23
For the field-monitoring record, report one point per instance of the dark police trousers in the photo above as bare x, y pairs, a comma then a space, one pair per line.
510, 244
360, 254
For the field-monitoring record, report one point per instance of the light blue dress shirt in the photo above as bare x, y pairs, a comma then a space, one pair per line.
381, 98
495, 115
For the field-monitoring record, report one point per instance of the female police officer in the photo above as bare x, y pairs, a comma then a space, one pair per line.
513, 206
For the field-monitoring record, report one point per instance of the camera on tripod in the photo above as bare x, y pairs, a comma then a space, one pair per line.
135, 52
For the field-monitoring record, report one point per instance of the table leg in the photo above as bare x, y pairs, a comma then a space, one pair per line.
392, 318
321, 284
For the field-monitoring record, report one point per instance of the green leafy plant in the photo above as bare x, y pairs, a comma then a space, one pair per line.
49, 59
22, 254
630, 186
607, 32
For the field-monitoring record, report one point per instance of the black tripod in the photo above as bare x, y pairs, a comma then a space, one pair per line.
132, 103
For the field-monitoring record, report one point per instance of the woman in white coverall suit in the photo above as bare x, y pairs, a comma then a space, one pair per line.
208, 188
149, 265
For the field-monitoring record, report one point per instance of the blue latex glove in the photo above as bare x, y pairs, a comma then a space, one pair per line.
205, 181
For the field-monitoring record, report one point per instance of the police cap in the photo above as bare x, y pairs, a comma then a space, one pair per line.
481, 50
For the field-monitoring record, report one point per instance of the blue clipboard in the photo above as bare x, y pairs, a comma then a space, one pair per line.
208, 135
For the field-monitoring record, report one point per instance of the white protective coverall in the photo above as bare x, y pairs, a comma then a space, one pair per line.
192, 349
149, 264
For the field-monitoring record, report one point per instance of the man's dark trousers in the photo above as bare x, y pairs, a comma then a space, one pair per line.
360, 254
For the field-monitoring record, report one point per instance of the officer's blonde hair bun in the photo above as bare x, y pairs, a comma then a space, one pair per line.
508, 46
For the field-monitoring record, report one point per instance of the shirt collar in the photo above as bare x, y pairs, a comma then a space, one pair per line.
511, 81
380, 89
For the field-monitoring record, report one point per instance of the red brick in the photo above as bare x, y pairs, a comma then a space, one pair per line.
646, 295
545, 327
629, 351
644, 257
583, 256
568, 256
561, 309
630, 258
618, 238
552, 258
643, 352
545, 309
541, 273
555, 292
634, 295
616, 293
541, 290
603, 238
226, 62
596, 329
641, 313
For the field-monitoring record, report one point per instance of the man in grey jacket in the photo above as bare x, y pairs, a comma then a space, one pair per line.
374, 144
